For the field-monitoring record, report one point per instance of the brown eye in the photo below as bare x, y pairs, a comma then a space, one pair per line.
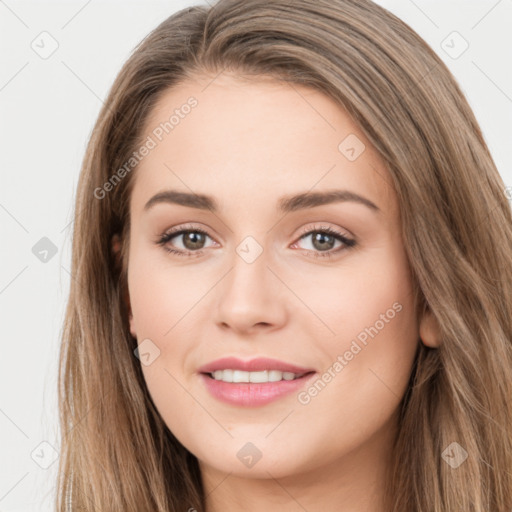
323, 241
192, 241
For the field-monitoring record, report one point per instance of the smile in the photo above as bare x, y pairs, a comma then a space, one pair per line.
248, 393
238, 376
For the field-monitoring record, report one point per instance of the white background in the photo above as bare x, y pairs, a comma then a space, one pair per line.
48, 107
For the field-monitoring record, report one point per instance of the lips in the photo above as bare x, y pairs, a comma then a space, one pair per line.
253, 394
253, 365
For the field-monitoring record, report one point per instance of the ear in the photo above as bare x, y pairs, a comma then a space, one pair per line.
430, 331
116, 246
116, 249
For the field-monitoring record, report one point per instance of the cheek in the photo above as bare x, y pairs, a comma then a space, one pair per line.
373, 306
374, 338
368, 296
162, 294
164, 303
365, 376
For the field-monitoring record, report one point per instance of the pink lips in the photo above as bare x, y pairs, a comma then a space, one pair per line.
251, 394
254, 365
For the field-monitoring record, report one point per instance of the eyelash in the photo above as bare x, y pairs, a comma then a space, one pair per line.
166, 237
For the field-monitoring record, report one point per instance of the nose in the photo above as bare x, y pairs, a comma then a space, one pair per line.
251, 297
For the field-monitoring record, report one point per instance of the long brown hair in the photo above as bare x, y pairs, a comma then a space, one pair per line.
117, 453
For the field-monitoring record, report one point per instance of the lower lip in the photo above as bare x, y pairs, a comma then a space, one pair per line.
252, 394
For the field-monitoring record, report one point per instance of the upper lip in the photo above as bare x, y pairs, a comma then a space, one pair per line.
253, 365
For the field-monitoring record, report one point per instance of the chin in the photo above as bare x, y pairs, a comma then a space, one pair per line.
255, 457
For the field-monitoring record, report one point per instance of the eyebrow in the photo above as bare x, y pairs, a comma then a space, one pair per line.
286, 204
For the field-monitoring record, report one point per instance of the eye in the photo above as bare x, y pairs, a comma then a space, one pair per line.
324, 239
192, 240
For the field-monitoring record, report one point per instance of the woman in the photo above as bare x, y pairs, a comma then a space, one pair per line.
293, 268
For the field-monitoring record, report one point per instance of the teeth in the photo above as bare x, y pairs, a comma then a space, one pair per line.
256, 377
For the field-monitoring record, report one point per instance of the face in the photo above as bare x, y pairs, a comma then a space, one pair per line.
319, 284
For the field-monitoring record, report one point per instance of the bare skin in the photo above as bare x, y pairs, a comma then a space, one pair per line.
247, 144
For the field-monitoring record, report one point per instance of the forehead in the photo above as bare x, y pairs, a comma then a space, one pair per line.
220, 134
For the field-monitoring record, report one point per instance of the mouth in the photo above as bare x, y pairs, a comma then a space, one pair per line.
243, 388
